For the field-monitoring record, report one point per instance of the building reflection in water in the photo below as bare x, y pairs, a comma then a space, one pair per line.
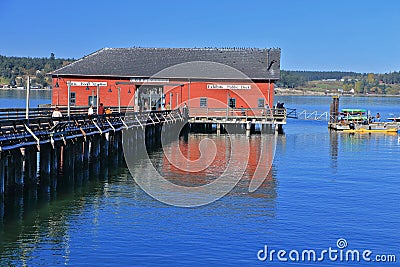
203, 168
43, 213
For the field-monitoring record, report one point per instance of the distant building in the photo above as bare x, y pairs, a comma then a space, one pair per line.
151, 78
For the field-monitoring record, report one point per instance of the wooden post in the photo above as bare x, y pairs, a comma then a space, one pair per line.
95, 146
30, 165
55, 159
104, 146
248, 128
86, 151
45, 160
3, 160
18, 167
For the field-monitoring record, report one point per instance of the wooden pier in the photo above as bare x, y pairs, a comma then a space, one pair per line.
41, 146
35, 149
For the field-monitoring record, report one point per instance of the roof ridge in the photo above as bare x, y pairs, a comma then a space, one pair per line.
193, 48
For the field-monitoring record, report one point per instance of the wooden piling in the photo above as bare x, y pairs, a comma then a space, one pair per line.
3, 160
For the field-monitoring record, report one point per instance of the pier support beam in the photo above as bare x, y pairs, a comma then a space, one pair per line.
3, 160
86, 151
96, 146
248, 128
45, 159
30, 160
19, 155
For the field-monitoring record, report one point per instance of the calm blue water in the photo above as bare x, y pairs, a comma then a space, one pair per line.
17, 98
323, 186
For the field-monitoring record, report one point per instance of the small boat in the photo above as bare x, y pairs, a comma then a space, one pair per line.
363, 130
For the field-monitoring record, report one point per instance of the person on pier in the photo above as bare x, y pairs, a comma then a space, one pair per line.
90, 111
101, 109
56, 116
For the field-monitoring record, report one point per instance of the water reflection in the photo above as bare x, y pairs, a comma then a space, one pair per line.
46, 217
41, 214
203, 159
365, 149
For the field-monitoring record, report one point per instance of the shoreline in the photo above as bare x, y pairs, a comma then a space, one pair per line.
300, 92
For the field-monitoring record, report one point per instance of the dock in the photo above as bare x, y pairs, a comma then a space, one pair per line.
42, 145
235, 120
357, 120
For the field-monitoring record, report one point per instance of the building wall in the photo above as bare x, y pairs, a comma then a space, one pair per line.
181, 92
60, 94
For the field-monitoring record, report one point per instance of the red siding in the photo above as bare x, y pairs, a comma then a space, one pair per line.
217, 98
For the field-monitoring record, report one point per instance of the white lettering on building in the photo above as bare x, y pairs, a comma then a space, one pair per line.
229, 86
75, 83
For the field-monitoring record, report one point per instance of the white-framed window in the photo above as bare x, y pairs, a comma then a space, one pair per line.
232, 102
261, 102
72, 98
203, 102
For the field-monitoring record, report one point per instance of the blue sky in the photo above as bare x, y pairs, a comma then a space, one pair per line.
352, 35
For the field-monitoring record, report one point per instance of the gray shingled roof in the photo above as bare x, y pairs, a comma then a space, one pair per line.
146, 62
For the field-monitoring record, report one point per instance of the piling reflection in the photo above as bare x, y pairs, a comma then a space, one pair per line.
343, 144
43, 212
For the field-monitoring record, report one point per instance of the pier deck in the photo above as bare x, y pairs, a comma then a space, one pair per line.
238, 116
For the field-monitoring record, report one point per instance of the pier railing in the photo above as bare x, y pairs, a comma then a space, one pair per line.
45, 112
272, 115
314, 115
41, 128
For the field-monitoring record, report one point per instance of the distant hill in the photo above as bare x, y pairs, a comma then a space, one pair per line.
13, 70
359, 83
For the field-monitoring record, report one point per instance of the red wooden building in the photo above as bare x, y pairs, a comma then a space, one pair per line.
158, 78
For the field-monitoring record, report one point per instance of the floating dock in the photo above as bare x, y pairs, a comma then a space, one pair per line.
357, 121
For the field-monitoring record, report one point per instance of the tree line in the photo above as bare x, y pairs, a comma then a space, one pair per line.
13, 70
360, 82
291, 79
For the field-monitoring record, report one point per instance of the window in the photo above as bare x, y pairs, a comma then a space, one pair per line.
232, 102
261, 103
203, 102
92, 101
72, 98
